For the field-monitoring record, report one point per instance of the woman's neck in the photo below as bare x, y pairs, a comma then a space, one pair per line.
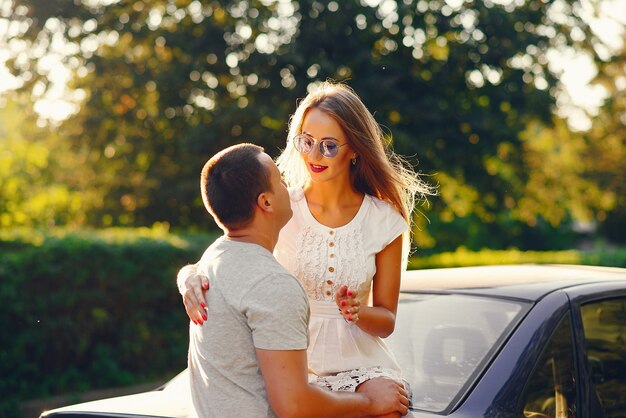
332, 195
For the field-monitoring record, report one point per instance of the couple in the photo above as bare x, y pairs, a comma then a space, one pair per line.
352, 202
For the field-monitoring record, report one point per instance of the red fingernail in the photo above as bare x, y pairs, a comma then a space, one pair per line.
206, 285
349, 293
194, 321
343, 303
204, 317
349, 318
347, 312
203, 305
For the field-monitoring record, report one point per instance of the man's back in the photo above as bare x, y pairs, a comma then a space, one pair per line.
253, 303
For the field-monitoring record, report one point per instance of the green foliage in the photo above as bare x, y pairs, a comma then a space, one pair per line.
89, 309
607, 142
36, 169
167, 84
463, 257
559, 186
615, 257
506, 231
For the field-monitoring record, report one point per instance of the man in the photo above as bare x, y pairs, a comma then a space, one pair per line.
249, 360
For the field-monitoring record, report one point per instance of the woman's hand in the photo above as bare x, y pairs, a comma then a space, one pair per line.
348, 304
193, 286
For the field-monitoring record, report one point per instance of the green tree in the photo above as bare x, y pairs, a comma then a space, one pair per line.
37, 173
561, 185
607, 140
167, 83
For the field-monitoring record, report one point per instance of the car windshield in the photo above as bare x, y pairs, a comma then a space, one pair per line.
444, 341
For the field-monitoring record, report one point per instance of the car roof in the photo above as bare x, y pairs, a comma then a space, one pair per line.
524, 281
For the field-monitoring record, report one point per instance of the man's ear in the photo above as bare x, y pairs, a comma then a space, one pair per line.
264, 202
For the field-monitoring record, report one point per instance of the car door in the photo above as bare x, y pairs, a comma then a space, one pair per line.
599, 318
501, 391
581, 371
551, 389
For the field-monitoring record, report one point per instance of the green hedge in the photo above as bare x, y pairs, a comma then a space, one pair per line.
88, 310
613, 257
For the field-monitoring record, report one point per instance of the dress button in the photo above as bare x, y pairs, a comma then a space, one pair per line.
328, 293
331, 269
331, 232
332, 255
332, 244
329, 281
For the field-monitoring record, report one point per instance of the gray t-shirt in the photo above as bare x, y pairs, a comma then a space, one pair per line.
253, 302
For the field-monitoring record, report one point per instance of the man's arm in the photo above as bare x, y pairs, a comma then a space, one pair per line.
192, 286
290, 395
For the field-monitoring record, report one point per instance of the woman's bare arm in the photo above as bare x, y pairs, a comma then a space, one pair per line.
192, 287
379, 319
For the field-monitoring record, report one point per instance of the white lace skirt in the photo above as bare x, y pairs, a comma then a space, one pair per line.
351, 379
341, 356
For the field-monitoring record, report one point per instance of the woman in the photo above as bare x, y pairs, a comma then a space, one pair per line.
352, 200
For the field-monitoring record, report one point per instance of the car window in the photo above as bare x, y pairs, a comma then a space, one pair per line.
551, 391
442, 343
604, 325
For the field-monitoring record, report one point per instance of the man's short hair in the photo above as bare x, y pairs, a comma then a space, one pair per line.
231, 182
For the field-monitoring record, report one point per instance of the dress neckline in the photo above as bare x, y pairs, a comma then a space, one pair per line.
304, 206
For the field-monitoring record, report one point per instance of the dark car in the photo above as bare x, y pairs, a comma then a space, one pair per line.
496, 341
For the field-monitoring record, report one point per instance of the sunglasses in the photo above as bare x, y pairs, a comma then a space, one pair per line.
305, 143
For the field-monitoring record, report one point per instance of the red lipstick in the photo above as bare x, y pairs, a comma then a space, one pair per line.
317, 168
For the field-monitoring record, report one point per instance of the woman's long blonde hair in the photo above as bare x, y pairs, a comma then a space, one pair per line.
378, 172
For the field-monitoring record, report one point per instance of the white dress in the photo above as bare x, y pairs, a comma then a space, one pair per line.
324, 259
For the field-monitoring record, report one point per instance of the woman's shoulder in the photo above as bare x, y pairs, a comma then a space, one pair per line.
384, 222
384, 213
382, 206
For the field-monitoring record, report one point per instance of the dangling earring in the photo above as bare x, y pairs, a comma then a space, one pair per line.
354, 160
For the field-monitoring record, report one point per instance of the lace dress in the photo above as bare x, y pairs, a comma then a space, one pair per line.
340, 355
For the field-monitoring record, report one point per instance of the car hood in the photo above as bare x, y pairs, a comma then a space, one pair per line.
157, 403
148, 404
